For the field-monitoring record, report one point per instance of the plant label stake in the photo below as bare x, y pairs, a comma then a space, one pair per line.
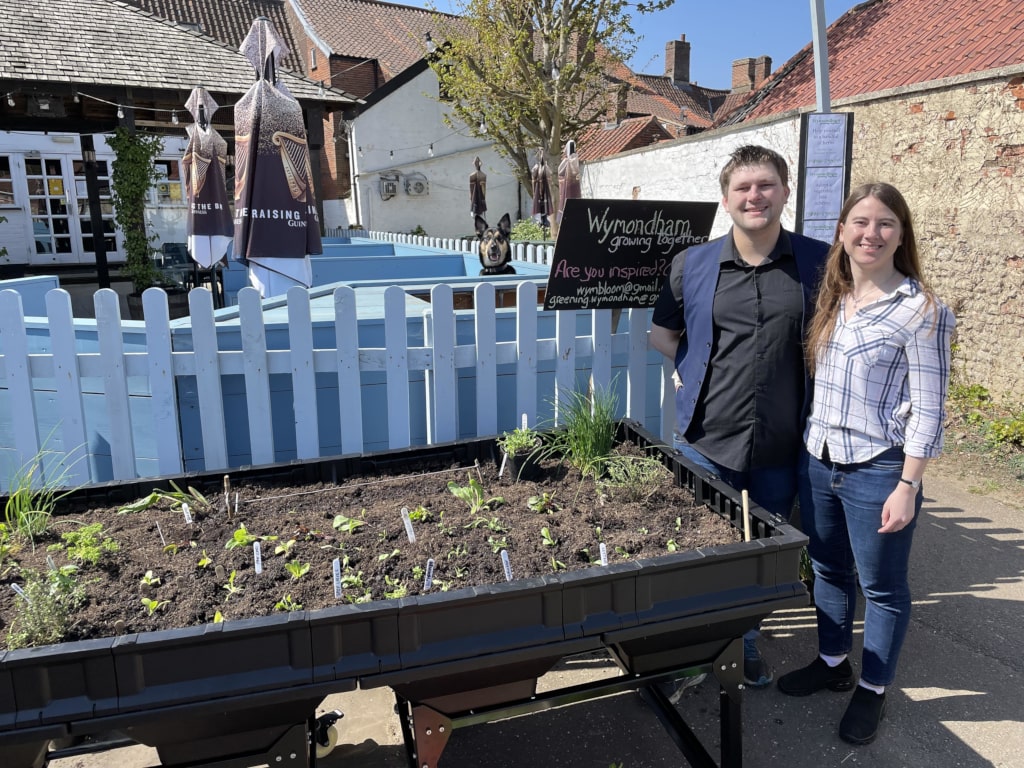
504, 460
525, 423
476, 463
50, 564
336, 566
604, 554
227, 495
236, 502
162, 539
408, 525
746, 515
257, 556
187, 513
506, 565
21, 593
428, 580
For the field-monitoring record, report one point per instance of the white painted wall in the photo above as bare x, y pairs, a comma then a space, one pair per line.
688, 168
395, 136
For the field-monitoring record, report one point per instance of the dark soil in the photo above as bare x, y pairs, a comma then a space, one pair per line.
377, 559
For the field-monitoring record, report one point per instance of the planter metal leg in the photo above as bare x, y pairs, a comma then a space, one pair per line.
729, 671
427, 736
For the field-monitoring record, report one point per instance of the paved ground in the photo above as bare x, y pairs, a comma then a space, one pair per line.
957, 700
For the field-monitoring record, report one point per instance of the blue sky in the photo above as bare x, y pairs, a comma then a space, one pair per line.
719, 31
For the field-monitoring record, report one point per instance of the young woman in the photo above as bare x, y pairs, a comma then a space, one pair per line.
879, 349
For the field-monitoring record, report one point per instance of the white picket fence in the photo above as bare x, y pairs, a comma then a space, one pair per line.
161, 365
535, 253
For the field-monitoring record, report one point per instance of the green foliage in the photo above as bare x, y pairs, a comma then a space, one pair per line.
43, 615
152, 606
231, 588
520, 440
150, 580
588, 431
132, 174
177, 497
8, 548
347, 525
529, 75
86, 544
242, 538
420, 515
544, 503
548, 539
1008, 430
490, 523
633, 478
287, 604
285, 548
497, 544
296, 569
31, 501
528, 229
473, 495
204, 561
395, 588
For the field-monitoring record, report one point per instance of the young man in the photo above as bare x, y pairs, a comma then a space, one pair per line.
731, 316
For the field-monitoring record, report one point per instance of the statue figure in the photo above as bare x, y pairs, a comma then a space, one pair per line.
477, 190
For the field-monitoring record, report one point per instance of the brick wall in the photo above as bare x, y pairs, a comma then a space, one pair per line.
957, 154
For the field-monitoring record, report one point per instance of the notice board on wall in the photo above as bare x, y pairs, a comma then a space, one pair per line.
616, 254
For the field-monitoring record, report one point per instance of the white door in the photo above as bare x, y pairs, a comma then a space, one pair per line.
59, 211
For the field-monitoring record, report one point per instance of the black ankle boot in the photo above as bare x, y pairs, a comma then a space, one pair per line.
863, 716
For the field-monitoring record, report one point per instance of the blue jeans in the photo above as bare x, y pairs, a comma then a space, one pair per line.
841, 512
773, 488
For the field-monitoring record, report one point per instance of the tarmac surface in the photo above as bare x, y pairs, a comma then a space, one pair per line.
957, 700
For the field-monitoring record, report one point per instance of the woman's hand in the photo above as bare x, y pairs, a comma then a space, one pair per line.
898, 510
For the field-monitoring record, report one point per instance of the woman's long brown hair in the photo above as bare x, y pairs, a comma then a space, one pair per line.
838, 277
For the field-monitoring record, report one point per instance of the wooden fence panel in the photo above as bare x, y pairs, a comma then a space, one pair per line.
442, 379
209, 383
526, 353
350, 404
163, 388
18, 375
303, 370
256, 373
115, 382
486, 339
396, 344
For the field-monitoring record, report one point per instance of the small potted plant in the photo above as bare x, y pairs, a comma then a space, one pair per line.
521, 447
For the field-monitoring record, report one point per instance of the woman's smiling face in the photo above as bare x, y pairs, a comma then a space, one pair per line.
871, 234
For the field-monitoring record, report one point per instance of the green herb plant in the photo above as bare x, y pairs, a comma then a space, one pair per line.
231, 587
548, 539
150, 580
176, 497
32, 499
296, 569
348, 525
521, 440
242, 538
542, 504
473, 495
43, 615
633, 478
87, 545
587, 434
286, 603
152, 606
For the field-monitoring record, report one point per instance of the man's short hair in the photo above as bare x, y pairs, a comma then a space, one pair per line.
749, 155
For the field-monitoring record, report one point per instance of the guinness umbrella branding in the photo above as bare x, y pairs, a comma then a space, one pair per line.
209, 223
276, 220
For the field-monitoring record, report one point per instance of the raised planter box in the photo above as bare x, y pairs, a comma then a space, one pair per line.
249, 687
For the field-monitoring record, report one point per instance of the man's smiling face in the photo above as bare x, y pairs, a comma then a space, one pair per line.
756, 198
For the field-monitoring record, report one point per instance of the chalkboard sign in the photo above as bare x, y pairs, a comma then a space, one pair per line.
617, 253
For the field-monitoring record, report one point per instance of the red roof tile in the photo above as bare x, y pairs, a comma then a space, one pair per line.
883, 44
632, 133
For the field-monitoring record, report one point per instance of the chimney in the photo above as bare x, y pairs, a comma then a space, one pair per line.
742, 75
677, 60
762, 68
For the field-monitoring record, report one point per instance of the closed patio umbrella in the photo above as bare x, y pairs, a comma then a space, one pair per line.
209, 224
277, 225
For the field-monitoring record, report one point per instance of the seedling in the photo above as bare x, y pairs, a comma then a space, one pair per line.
172, 549
204, 561
557, 565
549, 540
492, 524
543, 504
347, 525
152, 606
420, 515
397, 588
287, 604
520, 440
622, 552
385, 556
218, 617
285, 548
671, 545
352, 580
231, 587
473, 495
457, 551
297, 569
242, 538
497, 544
176, 497
633, 478
85, 545
150, 580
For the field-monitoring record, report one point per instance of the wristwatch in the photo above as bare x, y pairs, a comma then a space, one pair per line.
915, 484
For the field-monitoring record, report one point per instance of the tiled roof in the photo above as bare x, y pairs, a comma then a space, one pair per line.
228, 20
364, 29
607, 139
105, 42
883, 44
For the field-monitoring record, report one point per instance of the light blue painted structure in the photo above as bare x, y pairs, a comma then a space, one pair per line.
366, 267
